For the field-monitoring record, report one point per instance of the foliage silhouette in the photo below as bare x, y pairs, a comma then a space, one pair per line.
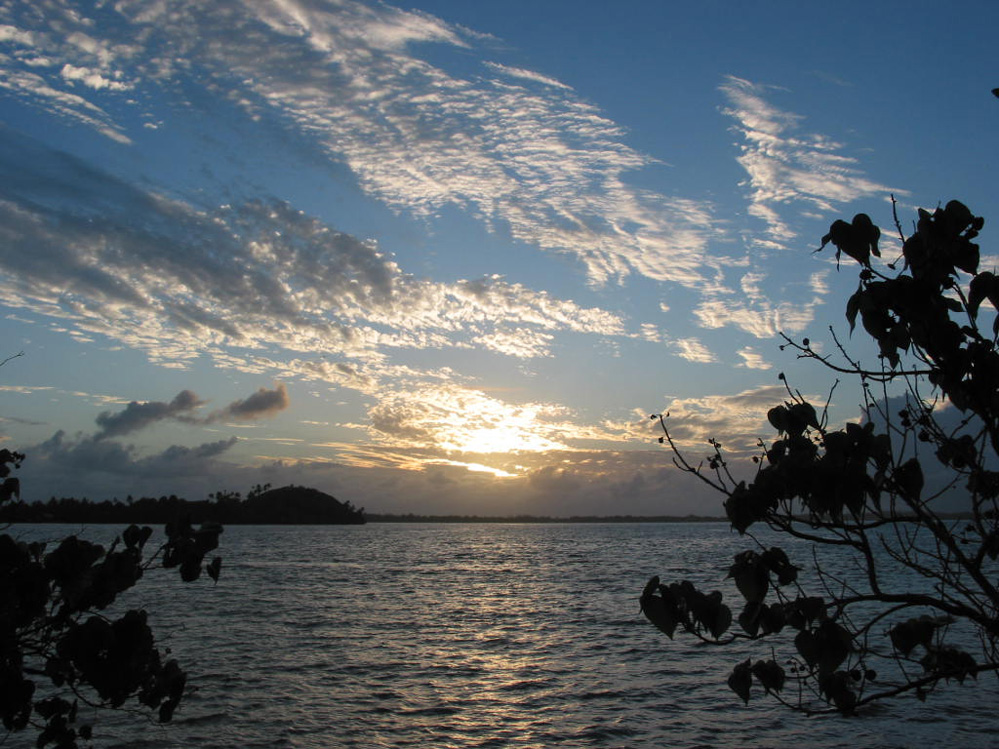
60, 647
897, 597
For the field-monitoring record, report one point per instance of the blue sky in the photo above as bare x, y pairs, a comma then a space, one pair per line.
448, 256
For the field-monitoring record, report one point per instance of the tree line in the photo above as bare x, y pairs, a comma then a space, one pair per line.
287, 505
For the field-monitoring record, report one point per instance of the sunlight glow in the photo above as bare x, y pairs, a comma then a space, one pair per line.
503, 439
476, 468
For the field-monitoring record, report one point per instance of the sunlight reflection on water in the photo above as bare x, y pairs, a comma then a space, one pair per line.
476, 636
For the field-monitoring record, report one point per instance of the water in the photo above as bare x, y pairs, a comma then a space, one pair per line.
472, 635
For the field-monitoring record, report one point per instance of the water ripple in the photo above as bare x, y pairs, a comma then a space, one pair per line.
476, 636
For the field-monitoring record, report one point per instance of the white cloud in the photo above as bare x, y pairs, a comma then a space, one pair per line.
737, 421
92, 78
752, 310
787, 168
521, 342
693, 350
62, 103
177, 283
751, 359
528, 75
537, 161
12, 34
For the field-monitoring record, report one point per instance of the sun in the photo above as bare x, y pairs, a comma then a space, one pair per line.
497, 439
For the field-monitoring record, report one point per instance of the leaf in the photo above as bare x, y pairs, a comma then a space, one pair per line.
805, 644
806, 411
131, 536
858, 239
906, 636
835, 643
719, 618
958, 214
662, 610
740, 680
10, 487
740, 507
824, 647
751, 576
213, 568
777, 562
909, 479
751, 618
770, 675
866, 234
772, 619
949, 662
190, 570
758, 619
983, 286
837, 687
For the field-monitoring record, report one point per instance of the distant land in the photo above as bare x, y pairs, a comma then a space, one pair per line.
288, 505
414, 518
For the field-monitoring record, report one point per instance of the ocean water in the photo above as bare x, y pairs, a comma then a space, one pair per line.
476, 635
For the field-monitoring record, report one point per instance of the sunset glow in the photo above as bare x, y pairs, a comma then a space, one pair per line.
398, 252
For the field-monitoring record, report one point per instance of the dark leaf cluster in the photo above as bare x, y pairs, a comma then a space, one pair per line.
921, 585
56, 633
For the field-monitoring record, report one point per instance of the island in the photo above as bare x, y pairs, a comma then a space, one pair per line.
287, 505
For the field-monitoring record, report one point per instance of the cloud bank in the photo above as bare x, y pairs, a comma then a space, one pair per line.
257, 285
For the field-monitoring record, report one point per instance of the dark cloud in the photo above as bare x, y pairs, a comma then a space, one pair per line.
101, 248
262, 403
189, 460
83, 466
137, 415
85, 454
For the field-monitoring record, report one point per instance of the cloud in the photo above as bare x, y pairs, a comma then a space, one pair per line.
435, 452
98, 464
159, 275
261, 404
345, 78
521, 342
261, 287
137, 415
751, 359
751, 310
693, 350
738, 421
451, 419
527, 75
786, 167
84, 466
556, 483
91, 78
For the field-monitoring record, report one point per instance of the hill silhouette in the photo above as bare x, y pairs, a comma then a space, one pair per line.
298, 505
287, 505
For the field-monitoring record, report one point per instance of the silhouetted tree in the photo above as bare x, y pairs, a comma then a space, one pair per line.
257, 490
58, 645
225, 497
888, 594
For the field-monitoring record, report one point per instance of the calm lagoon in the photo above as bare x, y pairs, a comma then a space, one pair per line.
476, 635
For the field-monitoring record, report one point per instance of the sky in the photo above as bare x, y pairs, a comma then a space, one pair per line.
448, 256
